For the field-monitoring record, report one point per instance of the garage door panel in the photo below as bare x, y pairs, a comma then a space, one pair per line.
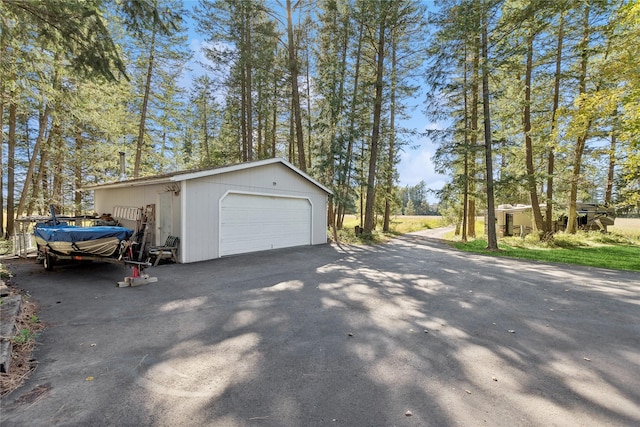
250, 223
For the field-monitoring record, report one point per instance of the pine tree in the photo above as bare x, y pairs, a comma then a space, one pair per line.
455, 71
161, 56
492, 242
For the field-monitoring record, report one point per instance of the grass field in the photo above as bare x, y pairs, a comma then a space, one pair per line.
629, 227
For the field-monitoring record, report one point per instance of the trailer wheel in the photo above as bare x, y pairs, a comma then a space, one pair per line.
48, 262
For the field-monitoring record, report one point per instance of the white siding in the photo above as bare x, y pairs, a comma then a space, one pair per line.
196, 208
139, 197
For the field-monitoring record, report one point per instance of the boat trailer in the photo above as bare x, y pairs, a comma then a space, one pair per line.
138, 276
58, 241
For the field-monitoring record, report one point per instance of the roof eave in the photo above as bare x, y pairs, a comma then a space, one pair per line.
127, 184
178, 177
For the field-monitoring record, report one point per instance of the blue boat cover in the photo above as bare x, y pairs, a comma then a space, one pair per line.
70, 233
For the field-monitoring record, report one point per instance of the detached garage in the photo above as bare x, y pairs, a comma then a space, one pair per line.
248, 207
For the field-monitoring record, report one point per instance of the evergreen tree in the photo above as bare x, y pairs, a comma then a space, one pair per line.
159, 54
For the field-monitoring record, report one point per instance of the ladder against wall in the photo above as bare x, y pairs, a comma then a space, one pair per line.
136, 218
127, 213
142, 221
147, 227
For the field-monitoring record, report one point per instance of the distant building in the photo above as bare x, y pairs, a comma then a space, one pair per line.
517, 220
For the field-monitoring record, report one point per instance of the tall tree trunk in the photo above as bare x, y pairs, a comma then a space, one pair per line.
11, 165
473, 143
43, 179
309, 164
552, 147
362, 182
39, 187
43, 121
337, 114
145, 102
260, 124
3, 50
295, 95
465, 190
1, 154
345, 186
36, 187
77, 172
57, 199
608, 195
274, 118
244, 126
572, 224
249, 89
492, 240
292, 134
531, 177
392, 147
369, 214
205, 130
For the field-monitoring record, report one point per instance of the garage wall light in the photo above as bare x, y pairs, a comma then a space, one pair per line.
173, 188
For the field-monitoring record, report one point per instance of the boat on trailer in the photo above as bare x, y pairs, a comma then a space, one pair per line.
60, 241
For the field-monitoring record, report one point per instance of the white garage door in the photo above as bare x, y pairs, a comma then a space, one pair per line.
250, 223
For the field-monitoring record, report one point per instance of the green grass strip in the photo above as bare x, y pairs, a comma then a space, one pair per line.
621, 256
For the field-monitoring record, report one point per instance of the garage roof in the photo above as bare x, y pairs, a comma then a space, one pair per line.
199, 173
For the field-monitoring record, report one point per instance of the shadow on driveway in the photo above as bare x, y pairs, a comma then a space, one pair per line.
405, 333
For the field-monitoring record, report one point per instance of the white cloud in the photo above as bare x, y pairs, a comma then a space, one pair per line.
415, 161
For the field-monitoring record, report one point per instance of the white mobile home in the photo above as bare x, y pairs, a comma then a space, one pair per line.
248, 207
514, 220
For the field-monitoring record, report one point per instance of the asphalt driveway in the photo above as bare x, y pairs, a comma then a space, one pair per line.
406, 333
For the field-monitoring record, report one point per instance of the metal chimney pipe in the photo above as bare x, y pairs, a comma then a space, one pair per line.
123, 172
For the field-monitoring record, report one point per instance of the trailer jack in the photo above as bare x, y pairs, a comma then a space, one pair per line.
138, 277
